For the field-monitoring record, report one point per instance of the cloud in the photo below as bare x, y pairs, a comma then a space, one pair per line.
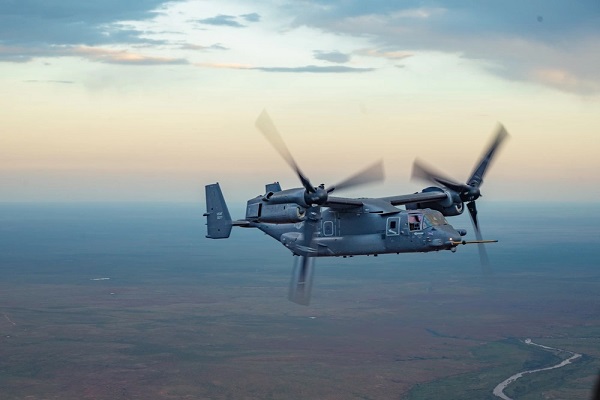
230, 20
555, 44
68, 22
45, 28
565, 80
390, 55
123, 57
332, 56
252, 17
222, 20
315, 69
569, 67
224, 65
48, 81
190, 46
512, 38
303, 69
20, 54
99, 54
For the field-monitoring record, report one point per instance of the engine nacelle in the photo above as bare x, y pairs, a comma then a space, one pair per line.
295, 196
282, 213
275, 213
450, 206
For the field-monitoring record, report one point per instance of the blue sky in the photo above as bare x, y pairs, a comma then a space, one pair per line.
149, 100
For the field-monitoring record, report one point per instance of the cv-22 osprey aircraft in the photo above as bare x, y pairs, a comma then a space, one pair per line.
312, 223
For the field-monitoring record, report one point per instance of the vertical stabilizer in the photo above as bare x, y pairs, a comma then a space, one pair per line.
218, 219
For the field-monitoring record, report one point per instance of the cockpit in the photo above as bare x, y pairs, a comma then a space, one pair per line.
433, 218
426, 219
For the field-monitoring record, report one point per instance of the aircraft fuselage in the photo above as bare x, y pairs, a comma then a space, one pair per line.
350, 233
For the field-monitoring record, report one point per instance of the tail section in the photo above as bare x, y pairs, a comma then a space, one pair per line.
218, 219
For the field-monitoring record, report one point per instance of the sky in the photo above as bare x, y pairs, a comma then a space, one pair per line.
147, 100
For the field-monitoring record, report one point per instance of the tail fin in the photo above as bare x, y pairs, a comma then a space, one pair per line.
218, 219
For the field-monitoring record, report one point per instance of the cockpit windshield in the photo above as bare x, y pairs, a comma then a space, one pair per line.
434, 218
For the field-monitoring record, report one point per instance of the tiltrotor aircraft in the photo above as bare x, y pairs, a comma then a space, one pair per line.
312, 223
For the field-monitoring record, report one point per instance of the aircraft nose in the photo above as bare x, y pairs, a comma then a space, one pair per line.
442, 237
437, 242
451, 236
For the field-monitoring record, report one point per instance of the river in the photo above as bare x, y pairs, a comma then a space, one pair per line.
499, 390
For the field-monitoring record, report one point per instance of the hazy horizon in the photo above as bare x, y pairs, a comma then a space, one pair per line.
110, 300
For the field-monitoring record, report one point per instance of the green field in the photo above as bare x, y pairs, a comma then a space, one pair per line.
181, 338
186, 318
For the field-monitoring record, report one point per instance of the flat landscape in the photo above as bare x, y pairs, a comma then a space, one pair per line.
132, 302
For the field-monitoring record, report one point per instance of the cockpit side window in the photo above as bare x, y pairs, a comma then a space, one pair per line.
414, 222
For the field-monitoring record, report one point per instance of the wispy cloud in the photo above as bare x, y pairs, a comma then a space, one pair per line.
20, 54
252, 17
123, 57
224, 65
70, 22
41, 28
302, 69
332, 56
338, 69
555, 44
390, 55
230, 20
222, 20
514, 39
48, 81
564, 80
190, 46
99, 54
420, 12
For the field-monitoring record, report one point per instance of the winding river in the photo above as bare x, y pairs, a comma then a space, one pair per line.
499, 390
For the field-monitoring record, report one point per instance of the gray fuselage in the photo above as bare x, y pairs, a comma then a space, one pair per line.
359, 232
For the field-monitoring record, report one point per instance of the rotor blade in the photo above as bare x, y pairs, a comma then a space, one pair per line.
479, 172
373, 173
302, 274
473, 212
302, 278
421, 171
268, 129
483, 257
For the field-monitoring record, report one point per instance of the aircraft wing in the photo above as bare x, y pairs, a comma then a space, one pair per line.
343, 202
415, 198
375, 206
346, 202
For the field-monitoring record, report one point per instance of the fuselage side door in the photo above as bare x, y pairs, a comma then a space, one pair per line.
330, 224
392, 233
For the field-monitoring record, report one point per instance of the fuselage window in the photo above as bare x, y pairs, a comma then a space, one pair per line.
253, 210
328, 228
393, 225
